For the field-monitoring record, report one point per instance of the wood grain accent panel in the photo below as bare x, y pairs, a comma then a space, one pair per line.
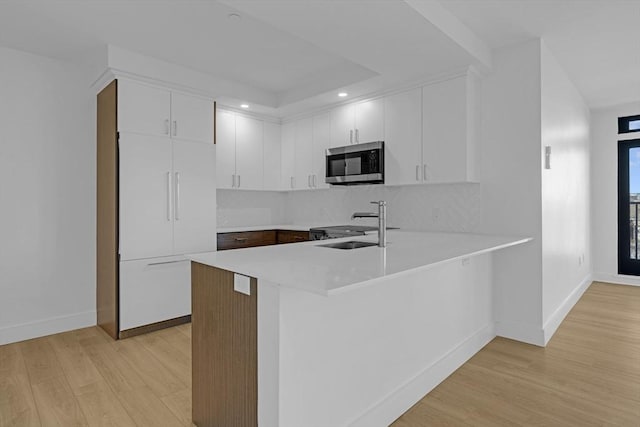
224, 350
246, 239
292, 236
154, 327
107, 210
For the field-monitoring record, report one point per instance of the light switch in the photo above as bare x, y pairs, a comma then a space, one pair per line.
547, 157
242, 284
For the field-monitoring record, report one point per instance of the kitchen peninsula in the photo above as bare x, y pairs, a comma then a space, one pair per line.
308, 335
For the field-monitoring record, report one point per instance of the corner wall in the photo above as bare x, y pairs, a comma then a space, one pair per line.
511, 186
47, 186
566, 230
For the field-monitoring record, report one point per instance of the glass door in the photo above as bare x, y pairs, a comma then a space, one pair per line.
629, 207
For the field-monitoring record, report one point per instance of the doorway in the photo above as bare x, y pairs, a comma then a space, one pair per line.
629, 207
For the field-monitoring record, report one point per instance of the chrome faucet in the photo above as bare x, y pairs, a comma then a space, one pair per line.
382, 221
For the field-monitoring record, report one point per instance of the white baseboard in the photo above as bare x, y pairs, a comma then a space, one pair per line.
41, 328
385, 411
618, 279
554, 321
519, 331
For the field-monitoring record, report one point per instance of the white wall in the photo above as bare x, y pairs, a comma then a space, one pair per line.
566, 232
604, 191
47, 192
511, 186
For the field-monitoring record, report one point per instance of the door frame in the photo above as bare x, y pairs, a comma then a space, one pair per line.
626, 265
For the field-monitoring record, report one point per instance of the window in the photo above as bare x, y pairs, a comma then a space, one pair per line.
628, 124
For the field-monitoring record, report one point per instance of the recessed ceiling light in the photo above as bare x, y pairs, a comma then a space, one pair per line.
244, 105
342, 94
235, 17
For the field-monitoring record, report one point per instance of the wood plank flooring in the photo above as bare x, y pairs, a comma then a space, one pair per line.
588, 375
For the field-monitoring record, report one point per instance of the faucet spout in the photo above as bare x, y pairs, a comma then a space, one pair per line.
382, 221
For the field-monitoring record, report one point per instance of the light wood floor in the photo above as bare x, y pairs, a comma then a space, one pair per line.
589, 374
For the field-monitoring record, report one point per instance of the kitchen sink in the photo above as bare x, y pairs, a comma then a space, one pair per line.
352, 244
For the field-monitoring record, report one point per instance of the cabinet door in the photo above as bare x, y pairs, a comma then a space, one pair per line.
146, 197
249, 153
143, 109
369, 123
191, 118
342, 126
194, 178
272, 156
303, 149
288, 155
154, 290
321, 136
403, 138
225, 149
444, 121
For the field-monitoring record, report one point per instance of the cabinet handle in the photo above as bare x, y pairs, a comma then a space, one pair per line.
309, 181
299, 238
424, 172
177, 212
175, 128
168, 196
292, 183
357, 136
166, 127
314, 181
238, 181
350, 136
240, 239
233, 181
417, 172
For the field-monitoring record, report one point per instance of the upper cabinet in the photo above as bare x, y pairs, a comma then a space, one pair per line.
150, 110
250, 152
304, 143
403, 137
357, 123
449, 111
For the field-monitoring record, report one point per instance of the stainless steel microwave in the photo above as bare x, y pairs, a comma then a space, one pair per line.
356, 164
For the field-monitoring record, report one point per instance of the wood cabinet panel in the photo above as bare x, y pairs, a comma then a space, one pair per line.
246, 239
292, 236
224, 349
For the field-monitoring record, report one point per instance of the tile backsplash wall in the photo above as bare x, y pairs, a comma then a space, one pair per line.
434, 207
239, 207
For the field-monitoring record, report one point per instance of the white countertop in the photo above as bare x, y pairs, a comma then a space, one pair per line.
326, 271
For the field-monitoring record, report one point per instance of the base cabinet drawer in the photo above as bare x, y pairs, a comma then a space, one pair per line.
154, 290
246, 239
292, 236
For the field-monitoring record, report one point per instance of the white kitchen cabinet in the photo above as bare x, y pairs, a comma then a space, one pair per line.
154, 289
357, 123
194, 179
191, 117
321, 137
272, 156
167, 197
249, 153
403, 137
303, 153
240, 157
146, 200
151, 110
448, 130
287, 157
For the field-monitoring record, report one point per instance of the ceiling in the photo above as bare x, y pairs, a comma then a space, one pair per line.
304, 51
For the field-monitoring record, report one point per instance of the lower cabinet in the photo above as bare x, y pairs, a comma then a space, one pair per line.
250, 239
153, 290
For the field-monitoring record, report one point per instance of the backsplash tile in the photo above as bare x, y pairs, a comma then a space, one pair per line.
433, 207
